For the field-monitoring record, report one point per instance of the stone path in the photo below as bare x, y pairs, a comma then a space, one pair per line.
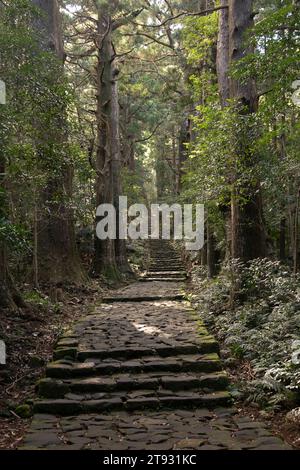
199, 429
141, 372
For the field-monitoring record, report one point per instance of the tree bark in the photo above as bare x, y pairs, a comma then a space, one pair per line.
6, 298
211, 254
120, 245
110, 255
282, 240
222, 67
281, 145
184, 139
174, 160
58, 260
48, 23
105, 254
296, 234
248, 234
223, 55
9, 295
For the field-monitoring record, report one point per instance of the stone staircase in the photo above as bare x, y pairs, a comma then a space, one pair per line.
141, 372
140, 391
97, 381
143, 349
165, 263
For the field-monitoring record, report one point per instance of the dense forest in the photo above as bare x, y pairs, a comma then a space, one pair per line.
168, 101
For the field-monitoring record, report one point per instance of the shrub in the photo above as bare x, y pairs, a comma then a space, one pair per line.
261, 328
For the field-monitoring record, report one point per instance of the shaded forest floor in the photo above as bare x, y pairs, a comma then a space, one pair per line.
30, 339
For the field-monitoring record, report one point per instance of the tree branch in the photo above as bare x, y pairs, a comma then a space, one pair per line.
126, 19
150, 136
180, 15
146, 35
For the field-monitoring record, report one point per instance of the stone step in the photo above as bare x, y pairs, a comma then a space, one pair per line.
165, 269
166, 263
137, 401
166, 255
55, 388
162, 279
155, 251
145, 298
160, 274
165, 278
94, 367
165, 259
206, 344
166, 273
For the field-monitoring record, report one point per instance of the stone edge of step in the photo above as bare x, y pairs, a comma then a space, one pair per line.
211, 361
150, 298
64, 407
59, 388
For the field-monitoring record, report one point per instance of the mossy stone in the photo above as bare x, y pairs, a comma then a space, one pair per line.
50, 388
24, 411
62, 353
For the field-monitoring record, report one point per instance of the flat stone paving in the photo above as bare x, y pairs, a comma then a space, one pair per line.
173, 430
148, 325
156, 289
122, 338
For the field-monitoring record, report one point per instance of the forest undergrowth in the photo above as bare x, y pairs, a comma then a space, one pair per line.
258, 333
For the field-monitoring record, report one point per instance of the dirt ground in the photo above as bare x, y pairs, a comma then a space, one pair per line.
30, 336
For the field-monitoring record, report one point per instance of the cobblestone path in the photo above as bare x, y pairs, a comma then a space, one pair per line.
141, 372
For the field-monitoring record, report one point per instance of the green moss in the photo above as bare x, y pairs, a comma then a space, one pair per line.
51, 388
111, 273
201, 330
213, 357
24, 411
61, 353
36, 298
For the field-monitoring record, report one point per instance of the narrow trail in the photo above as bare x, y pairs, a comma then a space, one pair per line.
141, 371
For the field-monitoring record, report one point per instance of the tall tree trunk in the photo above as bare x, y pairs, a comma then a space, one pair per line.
224, 91
184, 140
132, 164
223, 55
120, 245
6, 297
110, 255
58, 260
174, 160
105, 255
128, 141
9, 295
281, 142
211, 252
282, 239
296, 233
248, 234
